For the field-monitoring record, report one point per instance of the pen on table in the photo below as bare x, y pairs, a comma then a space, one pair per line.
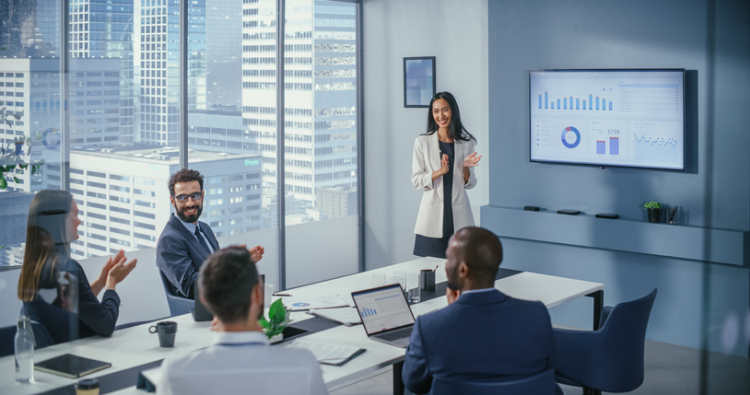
281, 294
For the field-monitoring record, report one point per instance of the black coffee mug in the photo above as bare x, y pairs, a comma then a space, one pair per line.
167, 331
427, 280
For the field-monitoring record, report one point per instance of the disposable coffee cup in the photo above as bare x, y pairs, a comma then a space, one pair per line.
427, 280
167, 331
87, 387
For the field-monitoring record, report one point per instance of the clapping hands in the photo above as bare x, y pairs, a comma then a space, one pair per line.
256, 253
118, 269
472, 160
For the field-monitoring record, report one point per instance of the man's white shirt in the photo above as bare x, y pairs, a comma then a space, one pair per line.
242, 363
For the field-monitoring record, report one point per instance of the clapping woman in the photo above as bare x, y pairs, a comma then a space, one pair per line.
443, 168
53, 287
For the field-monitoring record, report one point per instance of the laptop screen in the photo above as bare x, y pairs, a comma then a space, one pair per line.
383, 308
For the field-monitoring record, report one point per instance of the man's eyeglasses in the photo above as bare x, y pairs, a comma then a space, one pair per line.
195, 196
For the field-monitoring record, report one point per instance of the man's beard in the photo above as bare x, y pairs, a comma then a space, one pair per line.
189, 218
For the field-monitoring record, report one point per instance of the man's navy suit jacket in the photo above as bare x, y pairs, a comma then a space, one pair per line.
483, 336
179, 255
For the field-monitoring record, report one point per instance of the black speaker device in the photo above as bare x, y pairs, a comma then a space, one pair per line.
607, 215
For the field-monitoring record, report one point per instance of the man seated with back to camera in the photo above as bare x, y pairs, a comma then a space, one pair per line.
186, 242
483, 334
240, 360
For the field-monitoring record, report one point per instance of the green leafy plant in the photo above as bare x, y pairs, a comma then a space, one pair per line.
12, 156
652, 205
278, 319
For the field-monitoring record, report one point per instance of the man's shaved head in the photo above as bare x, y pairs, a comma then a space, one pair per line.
480, 250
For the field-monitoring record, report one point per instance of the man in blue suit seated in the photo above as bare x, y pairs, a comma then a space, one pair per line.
483, 334
186, 242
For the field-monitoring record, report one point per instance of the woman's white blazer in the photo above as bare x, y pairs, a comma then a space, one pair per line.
427, 160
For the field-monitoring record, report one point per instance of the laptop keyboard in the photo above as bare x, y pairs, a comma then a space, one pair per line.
395, 335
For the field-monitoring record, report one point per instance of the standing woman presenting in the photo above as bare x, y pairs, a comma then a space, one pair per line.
443, 168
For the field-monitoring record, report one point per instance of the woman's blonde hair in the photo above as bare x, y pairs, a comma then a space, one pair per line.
48, 216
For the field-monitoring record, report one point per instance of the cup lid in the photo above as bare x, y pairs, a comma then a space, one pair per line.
87, 384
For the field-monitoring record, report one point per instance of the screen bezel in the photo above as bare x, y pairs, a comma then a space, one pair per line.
604, 165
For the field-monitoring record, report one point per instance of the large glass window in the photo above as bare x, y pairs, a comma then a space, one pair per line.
119, 142
320, 140
232, 124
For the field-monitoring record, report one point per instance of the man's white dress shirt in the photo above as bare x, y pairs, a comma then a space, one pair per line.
242, 363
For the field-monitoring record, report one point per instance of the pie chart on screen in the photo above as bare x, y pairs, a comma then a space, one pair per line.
571, 137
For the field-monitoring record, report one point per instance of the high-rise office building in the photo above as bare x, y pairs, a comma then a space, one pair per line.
320, 93
157, 68
104, 29
124, 200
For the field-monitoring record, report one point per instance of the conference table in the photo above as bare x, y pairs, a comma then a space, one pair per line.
133, 350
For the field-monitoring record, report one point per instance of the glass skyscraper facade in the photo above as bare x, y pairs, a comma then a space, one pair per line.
157, 68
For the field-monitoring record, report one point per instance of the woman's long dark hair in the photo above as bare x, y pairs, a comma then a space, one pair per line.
46, 228
456, 128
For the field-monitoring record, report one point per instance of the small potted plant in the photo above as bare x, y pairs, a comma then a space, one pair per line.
654, 212
278, 319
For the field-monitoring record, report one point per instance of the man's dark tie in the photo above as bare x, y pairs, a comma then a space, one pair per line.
201, 239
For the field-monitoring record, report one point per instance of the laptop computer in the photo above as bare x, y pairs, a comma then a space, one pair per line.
385, 313
200, 312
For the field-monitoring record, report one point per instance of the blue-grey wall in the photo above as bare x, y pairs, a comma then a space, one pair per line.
699, 304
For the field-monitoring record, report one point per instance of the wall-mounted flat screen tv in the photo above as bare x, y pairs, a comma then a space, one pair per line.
629, 118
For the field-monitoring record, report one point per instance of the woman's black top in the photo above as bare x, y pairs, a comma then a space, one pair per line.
431, 246
93, 318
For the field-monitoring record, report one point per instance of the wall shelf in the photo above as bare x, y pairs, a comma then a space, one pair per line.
726, 246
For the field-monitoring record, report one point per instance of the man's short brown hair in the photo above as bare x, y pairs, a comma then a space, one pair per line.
184, 175
226, 280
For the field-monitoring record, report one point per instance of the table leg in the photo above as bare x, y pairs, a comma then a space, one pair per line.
398, 384
598, 306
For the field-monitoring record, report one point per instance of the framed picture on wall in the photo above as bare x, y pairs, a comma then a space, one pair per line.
419, 81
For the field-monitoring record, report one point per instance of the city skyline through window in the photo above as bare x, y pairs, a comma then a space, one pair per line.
124, 121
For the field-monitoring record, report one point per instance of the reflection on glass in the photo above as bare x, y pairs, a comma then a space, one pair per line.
29, 117
53, 287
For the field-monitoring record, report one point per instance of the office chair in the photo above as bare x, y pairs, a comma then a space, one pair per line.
177, 304
8, 336
539, 384
611, 358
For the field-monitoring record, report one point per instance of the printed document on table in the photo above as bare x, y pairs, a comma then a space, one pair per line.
345, 315
327, 353
323, 302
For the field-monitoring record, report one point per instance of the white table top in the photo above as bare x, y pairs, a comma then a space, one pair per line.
134, 346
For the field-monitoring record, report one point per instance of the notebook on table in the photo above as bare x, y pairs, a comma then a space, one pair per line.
385, 313
71, 366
